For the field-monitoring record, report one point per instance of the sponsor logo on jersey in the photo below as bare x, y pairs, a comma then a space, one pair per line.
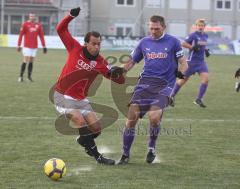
154, 55
202, 42
81, 65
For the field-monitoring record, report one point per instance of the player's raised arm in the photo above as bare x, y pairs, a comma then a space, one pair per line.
62, 29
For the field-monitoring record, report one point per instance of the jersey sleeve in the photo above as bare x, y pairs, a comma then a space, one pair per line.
41, 35
137, 54
190, 38
178, 49
62, 30
22, 31
104, 69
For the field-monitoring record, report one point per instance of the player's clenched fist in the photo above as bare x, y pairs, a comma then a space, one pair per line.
116, 71
75, 12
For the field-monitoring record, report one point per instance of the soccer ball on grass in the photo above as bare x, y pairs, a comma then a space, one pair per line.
55, 168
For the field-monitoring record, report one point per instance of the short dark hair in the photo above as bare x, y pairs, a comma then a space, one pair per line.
157, 18
91, 33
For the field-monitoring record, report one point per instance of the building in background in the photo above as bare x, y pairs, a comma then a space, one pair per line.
125, 17
129, 17
49, 12
15, 12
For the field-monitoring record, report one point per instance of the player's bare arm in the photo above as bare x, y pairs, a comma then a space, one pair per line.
116, 71
129, 65
183, 65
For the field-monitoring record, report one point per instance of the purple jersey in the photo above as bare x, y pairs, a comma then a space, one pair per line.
160, 59
199, 38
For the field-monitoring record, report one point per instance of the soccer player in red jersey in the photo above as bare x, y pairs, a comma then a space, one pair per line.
30, 30
83, 65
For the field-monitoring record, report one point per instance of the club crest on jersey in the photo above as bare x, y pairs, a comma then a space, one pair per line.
81, 65
154, 55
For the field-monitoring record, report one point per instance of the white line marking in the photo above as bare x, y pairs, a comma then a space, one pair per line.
79, 170
105, 150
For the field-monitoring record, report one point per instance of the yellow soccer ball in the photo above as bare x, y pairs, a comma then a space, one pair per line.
55, 168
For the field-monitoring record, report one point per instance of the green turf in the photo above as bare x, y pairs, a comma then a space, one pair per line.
198, 148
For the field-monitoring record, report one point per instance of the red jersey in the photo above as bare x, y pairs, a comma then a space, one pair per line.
30, 31
79, 72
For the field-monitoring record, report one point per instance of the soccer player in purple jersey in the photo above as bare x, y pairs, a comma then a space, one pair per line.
161, 54
196, 43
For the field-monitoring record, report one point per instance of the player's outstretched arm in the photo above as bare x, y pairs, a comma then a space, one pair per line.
62, 29
194, 48
116, 71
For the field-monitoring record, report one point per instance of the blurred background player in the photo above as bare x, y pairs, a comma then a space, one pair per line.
237, 76
83, 65
161, 53
196, 43
30, 30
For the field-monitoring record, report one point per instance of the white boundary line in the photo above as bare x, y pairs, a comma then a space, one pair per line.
120, 119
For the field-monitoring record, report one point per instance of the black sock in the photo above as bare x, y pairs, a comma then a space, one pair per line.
30, 68
86, 131
88, 142
23, 67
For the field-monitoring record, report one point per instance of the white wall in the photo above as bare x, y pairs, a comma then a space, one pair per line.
238, 32
178, 4
201, 4
177, 29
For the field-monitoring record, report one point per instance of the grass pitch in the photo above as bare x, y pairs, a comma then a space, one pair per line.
198, 148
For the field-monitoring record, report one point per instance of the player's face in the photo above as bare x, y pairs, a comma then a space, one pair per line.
156, 29
200, 27
32, 17
93, 46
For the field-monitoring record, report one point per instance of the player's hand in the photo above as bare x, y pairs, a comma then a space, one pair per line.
19, 49
75, 12
44, 50
180, 75
115, 72
207, 52
196, 48
237, 74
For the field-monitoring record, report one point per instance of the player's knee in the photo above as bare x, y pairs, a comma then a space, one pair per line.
154, 120
205, 81
131, 123
133, 117
78, 121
